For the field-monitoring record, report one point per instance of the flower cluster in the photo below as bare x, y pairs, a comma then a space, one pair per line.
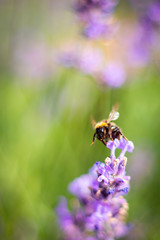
95, 16
99, 211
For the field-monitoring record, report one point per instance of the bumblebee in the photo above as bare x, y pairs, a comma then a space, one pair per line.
106, 130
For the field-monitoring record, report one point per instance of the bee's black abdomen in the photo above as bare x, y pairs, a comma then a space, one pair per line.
116, 133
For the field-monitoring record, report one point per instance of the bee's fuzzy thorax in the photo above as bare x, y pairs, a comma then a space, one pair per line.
101, 124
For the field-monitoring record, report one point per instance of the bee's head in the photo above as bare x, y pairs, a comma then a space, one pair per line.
100, 131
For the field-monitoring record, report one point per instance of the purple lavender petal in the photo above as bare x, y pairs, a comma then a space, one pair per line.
80, 186
130, 146
126, 146
103, 178
112, 145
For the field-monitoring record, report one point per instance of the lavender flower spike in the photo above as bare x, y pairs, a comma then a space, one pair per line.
100, 208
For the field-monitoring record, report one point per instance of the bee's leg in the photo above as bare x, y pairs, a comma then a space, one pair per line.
104, 142
121, 134
110, 132
124, 137
94, 136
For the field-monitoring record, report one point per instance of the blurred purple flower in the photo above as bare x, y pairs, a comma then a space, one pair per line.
87, 59
67, 222
154, 11
101, 211
90, 60
96, 28
143, 39
114, 75
86, 6
80, 185
95, 16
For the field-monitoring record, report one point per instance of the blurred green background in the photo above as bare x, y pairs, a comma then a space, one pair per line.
45, 129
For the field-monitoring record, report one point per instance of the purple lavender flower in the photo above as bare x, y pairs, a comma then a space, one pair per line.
95, 16
100, 209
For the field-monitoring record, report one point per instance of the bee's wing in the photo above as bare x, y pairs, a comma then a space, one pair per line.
114, 115
93, 122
